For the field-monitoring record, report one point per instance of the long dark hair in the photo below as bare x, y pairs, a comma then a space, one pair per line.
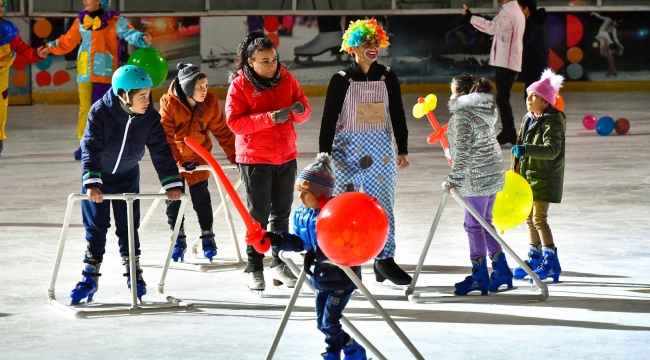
468, 83
254, 41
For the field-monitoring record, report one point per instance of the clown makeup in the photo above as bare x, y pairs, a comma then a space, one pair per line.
536, 104
92, 5
368, 51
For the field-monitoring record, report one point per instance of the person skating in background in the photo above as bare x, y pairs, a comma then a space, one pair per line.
539, 158
333, 287
10, 40
362, 103
477, 172
189, 109
606, 38
507, 30
264, 101
536, 48
120, 125
99, 31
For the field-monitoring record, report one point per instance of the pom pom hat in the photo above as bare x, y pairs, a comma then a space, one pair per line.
547, 86
320, 176
188, 75
360, 31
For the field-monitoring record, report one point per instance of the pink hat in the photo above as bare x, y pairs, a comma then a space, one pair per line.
547, 86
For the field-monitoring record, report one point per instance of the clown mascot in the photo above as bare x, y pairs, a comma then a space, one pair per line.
362, 103
99, 31
10, 40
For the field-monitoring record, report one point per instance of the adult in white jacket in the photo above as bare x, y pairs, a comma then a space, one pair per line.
507, 30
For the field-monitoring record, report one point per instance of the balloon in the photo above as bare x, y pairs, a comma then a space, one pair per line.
430, 102
153, 62
352, 228
622, 126
589, 122
254, 231
559, 102
418, 110
605, 126
512, 204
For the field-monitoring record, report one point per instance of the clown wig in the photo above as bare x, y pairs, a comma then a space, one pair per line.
360, 31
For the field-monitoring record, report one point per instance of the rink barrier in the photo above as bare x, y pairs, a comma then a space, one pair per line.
135, 309
417, 298
358, 336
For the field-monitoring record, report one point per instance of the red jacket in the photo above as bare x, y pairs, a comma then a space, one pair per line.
258, 139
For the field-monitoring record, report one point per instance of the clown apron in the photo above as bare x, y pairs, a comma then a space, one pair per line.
363, 153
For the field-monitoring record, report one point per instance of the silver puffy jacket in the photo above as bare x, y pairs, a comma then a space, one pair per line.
477, 168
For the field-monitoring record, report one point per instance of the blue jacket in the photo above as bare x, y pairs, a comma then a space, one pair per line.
327, 277
114, 142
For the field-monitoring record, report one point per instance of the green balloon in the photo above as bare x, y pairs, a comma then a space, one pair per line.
153, 62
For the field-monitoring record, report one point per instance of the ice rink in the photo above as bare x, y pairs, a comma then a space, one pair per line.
599, 310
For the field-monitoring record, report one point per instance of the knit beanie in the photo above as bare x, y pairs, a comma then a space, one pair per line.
188, 75
547, 86
320, 176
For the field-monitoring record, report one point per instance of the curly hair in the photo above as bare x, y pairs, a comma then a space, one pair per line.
362, 30
253, 42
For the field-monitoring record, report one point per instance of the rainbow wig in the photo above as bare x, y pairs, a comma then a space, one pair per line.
105, 4
362, 30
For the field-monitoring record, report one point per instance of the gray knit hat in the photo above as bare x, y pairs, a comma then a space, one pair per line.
320, 176
188, 75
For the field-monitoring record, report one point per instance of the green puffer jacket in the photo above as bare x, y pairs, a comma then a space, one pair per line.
543, 163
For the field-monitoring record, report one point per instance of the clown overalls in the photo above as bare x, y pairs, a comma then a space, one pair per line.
363, 132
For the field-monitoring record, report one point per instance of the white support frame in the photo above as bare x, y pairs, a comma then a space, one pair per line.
239, 263
417, 298
135, 309
358, 336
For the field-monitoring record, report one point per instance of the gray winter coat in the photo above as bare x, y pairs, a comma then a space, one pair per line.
477, 163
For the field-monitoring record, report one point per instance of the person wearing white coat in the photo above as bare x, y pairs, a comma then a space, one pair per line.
507, 30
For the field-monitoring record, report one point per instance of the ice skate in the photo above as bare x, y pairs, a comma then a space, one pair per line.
256, 281
354, 351
330, 356
478, 281
209, 245
284, 275
533, 261
501, 274
88, 286
179, 249
141, 285
550, 266
387, 269
323, 42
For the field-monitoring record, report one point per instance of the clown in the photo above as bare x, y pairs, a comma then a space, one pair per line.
362, 103
99, 31
10, 40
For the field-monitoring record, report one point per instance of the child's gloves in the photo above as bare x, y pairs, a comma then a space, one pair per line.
518, 150
189, 166
298, 107
282, 115
310, 258
274, 237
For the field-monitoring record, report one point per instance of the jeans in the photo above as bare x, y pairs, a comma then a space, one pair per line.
97, 217
504, 80
329, 310
201, 203
480, 240
269, 195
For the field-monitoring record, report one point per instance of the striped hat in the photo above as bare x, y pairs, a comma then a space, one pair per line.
188, 75
320, 176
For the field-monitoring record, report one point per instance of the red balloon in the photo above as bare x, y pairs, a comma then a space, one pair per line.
622, 126
271, 23
262, 246
589, 122
352, 228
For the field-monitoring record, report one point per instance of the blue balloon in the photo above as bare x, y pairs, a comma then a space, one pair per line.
605, 126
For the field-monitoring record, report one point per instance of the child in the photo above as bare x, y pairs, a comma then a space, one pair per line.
119, 126
333, 287
10, 40
539, 157
478, 173
188, 109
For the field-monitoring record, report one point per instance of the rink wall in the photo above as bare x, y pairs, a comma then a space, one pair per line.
426, 51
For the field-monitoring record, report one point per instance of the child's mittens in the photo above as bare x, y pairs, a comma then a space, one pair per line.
308, 261
518, 150
274, 237
189, 166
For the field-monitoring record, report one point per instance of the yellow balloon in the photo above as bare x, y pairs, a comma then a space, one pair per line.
430, 102
513, 204
418, 111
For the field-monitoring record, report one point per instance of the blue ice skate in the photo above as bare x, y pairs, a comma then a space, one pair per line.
179, 249
87, 287
209, 245
479, 280
354, 351
533, 261
330, 356
550, 266
141, 285
501, 273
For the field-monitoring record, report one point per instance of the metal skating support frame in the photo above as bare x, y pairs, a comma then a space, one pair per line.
239, 263
357, 335
416, 298
135, 309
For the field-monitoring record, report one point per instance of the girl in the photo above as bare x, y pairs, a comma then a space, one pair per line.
477, 172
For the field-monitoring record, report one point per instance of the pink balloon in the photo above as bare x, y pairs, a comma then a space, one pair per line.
589, 122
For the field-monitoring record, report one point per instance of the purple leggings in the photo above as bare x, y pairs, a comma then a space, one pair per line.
480, 241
